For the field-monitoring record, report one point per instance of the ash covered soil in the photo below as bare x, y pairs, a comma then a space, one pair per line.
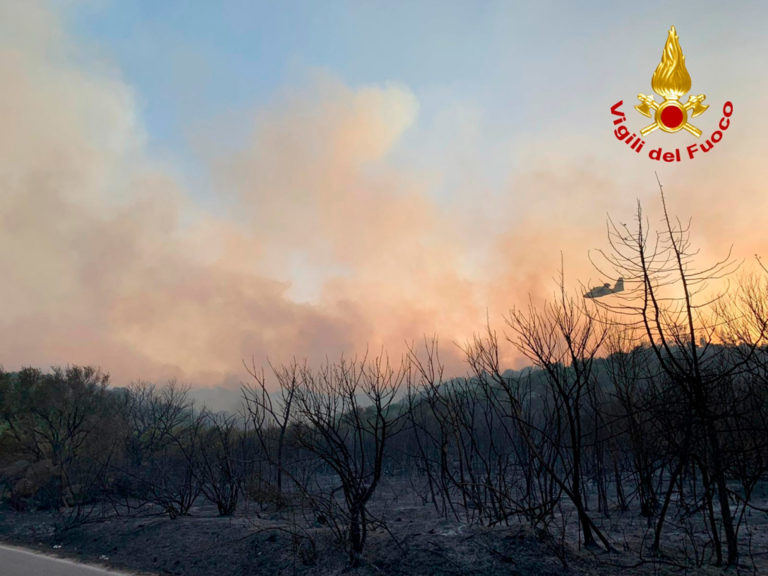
256, 541
203, 544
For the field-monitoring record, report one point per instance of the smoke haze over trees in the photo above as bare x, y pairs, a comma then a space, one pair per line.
652, 403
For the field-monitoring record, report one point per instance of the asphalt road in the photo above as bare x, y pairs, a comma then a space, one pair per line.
20, 562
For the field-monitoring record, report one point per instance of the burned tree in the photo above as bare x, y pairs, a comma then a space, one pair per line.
221, 460
562, 340
670, 307
469, 446
270, 417
346, 417
161, 449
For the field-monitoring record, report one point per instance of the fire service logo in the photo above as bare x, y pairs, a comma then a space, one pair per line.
671, 81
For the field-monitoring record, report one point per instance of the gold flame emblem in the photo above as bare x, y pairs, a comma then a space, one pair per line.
670, 81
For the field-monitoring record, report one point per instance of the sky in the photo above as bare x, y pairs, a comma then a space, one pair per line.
188, 185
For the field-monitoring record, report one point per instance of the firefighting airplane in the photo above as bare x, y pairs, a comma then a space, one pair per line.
605, 289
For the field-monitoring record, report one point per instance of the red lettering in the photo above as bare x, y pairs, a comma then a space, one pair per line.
621, 132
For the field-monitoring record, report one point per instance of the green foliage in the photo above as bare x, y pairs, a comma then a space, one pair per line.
61, 424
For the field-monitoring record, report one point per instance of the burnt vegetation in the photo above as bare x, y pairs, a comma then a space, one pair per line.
651, 404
